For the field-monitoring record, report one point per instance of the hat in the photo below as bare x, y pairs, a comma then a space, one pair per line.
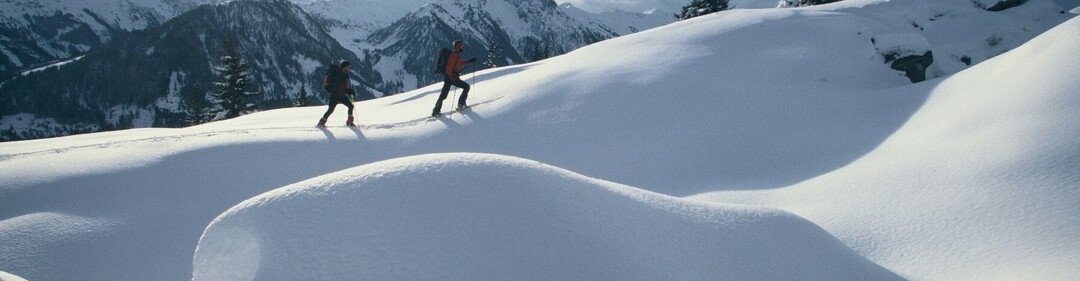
345, 63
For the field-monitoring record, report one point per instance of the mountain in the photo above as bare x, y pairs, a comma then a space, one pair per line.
524, 30
351, 21
621, 22
970, 176
37, 32
139, 79
364, 27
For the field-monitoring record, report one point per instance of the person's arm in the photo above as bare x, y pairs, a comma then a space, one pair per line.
462, 64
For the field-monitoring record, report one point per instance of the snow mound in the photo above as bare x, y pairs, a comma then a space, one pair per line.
985, 176
4, 276
490, 217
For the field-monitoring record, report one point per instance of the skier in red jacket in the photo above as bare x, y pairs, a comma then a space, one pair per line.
451, 77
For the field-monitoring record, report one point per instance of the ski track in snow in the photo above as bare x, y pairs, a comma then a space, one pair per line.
212, 133
572, 103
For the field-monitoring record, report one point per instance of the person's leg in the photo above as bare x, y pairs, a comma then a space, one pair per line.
464, 93
442, 96
333, 103
348, 104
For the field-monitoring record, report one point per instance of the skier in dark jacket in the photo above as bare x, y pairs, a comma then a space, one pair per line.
336, 83
451, 77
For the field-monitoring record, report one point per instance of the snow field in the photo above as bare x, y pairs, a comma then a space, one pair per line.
925, 180
984, 175
491, 217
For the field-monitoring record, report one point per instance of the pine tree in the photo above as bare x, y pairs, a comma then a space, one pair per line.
540, 52
196, 108
231, 92
302, 99
702, 7
493, 55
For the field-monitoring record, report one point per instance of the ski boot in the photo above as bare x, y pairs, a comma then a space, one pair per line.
350, 122
322, 123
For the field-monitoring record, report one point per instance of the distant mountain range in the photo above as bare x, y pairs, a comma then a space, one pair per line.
139, 79
38, 32
73, 66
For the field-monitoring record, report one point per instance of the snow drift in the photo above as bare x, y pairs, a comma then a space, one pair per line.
985, 175
737, 100
488, 217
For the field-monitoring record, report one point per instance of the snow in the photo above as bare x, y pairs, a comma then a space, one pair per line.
903, 44
958, 29
489, 217
354, 20
621, 22
56, 65
171, 102
984, 175
26, 124
11, 56
4, 276
1075, 10
665, 7
308, 65
783, 127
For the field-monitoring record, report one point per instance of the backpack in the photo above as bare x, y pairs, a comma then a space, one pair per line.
328, 83
444, 57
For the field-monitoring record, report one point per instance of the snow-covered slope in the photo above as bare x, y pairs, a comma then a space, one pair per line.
39, 31
523, 30
738, 100
488, 217
958, 32
148, 77
351, 21
402, 36
985, 175
621, 22
4, 276
666, 7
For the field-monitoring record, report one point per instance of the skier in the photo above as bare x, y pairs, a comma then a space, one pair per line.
336, 83
451, 77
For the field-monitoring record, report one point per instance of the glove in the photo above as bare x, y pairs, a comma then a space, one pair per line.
471, 60
351, 95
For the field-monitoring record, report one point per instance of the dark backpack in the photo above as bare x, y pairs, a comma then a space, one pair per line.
444, 57
329, 82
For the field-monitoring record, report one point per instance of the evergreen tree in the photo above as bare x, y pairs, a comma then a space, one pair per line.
493, 55
701, 8
540, 52
10, 134
196, 108
302, 99
231, 92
